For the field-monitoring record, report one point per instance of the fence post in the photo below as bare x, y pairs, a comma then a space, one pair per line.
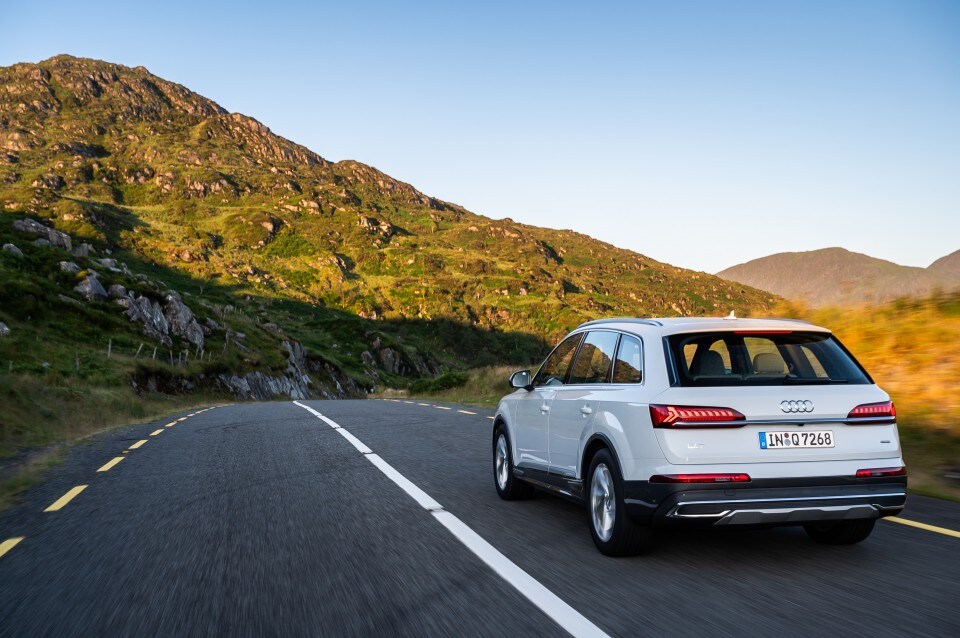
109, 348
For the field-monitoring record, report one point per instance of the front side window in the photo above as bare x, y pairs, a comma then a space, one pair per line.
554, 369
762, 358
628, 368
595, 360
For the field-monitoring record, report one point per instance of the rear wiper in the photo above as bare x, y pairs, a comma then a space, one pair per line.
788, 380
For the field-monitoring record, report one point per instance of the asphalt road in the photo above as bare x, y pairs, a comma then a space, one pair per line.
262, 519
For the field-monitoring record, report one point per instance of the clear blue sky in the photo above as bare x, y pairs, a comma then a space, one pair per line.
699, 133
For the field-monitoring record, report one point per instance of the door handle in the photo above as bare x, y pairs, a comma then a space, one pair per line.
544, 408
585, 410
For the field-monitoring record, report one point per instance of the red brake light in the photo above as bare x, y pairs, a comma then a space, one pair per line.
762, 332
688, 416
873, 410
701, 478
882, 471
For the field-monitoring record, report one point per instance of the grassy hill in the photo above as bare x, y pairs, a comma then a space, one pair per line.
835, 276
296, 274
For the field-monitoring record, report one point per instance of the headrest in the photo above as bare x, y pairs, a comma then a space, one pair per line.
768, 363
711, 364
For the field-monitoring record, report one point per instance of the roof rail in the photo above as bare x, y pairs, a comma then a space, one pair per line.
598, 322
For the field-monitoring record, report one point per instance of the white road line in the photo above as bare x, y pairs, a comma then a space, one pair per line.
357, 443
549, 603
425, 500
465, 412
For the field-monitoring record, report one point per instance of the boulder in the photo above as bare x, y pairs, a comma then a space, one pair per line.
83, 250
91, 289
116, 291
55, 237
13, 250
70, 267
4, 330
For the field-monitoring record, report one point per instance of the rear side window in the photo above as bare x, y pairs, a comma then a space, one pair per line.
762, 358
554, 369
628, 368
595, 360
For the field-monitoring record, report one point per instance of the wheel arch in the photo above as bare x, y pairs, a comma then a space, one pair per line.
597, 441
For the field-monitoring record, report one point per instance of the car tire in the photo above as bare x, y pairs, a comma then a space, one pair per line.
613, 531
842, 533
509, 487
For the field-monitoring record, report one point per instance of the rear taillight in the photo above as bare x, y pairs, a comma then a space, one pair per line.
688, 416
701, 478
869, 411
882, 471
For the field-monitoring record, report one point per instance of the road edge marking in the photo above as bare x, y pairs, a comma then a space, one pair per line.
9, 544
569, 619
930, 528
66, 498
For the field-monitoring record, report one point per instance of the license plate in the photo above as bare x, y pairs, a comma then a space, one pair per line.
809, 438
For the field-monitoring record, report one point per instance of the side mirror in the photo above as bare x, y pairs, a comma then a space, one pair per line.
521, 379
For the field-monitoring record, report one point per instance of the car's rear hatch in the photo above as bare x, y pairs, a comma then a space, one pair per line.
752, 440
782, 395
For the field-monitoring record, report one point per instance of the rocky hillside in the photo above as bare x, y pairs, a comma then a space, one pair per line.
835, 276
336, 271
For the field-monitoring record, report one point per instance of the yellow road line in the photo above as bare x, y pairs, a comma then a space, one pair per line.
929, 528
138, 444
465, 412
171, 424
66, 498
183, 418
424, 404
9, 544
490, 417
110, 463
440, 407
155, 432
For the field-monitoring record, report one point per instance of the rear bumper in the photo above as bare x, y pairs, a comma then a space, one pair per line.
788, 501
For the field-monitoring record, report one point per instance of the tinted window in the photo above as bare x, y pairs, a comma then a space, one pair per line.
628, 368
554, 369
762, 358
595, 360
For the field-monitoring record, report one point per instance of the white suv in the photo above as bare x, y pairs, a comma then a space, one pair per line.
745, 422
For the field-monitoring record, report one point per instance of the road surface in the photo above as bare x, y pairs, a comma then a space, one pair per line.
380, 518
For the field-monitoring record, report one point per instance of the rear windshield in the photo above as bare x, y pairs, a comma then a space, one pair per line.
762, 358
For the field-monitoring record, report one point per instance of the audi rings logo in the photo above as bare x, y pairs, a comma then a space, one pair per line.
793, 407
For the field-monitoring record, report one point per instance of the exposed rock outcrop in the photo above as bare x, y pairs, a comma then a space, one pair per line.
55, 237
150, 315
181, 320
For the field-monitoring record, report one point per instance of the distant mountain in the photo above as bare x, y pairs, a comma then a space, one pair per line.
947, 267
836, 276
